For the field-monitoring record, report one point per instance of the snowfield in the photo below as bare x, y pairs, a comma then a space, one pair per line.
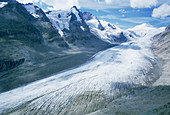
109, 73
32, 9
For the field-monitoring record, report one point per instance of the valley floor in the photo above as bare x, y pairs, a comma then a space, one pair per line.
115, 81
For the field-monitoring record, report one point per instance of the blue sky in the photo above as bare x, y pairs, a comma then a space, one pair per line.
123, 13
129, 17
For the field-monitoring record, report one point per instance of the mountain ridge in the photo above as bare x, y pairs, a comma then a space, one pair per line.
29, 42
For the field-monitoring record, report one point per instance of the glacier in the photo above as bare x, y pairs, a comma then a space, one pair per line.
109, 73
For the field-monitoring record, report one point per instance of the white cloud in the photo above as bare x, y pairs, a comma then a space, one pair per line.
135, 20
28, 1
108, 17
103, 4
57, 4
162, 11
108, 1
143, 3
88, 4
123, 11
96, 4
61, 4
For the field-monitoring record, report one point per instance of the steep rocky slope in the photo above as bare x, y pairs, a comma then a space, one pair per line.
161, 47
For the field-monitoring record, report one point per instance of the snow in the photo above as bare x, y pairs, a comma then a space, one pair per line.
74, 11
35, 15
132, 63
82, 28
2, 4
32, 10
60, 19
109, 33
61, 33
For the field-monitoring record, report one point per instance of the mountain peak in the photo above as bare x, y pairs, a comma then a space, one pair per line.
76, 12
75, 7
147, 25
142, 26
88, 16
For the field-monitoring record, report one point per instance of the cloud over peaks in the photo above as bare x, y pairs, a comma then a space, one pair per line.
143, 3
162, 11
56, 4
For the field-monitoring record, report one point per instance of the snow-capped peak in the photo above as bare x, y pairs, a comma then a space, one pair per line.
107, 25
143, 29
92, 21
88, 16
60, 19
76, 12
75, 8
2, 4
142, 26
105, 31
32, 9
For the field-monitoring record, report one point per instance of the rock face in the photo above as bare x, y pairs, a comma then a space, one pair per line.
161, 47
6, 65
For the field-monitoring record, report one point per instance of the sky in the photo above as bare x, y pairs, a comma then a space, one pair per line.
122, 13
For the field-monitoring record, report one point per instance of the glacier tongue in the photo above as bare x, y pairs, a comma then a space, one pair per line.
108, 73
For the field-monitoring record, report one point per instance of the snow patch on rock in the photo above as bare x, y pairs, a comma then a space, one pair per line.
60, 19
2, 4
109, 33
32, 9
75, 11
82, 28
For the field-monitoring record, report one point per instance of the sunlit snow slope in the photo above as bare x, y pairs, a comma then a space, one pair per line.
83, 90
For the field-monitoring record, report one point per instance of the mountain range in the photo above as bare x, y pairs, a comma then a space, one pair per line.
72, 63
32, 40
